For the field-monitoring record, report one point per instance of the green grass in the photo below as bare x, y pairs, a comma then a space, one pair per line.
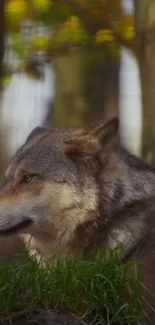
96, 291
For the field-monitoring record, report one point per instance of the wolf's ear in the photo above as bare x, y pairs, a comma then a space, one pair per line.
94, 138
37, 131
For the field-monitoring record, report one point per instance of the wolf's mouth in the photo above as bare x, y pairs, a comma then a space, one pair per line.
17, 228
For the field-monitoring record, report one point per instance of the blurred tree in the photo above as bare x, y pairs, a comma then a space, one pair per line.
2, 28
2, 41
145, 42
70, 103
84, 35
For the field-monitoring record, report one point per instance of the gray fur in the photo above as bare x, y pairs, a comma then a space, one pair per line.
86, 192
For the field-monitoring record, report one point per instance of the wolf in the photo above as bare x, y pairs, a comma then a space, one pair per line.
77, 188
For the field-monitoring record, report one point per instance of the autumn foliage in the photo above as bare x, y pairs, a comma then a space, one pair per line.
95, 23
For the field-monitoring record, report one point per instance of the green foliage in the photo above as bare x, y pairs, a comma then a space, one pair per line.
98, 289
76, 22
18, 45
60, 13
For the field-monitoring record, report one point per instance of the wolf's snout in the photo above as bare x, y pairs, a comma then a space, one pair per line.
12, 219
15, 228
15, 217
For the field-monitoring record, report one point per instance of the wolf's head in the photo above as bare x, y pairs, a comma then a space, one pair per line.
51, 183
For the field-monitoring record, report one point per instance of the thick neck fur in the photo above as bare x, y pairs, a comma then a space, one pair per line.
127, 200
124, 180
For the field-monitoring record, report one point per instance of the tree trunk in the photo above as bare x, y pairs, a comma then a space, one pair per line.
2, 35
2, 28
102, 82
145, 42
70, 103
84, 94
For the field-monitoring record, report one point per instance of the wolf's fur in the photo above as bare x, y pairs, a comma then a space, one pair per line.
78, 188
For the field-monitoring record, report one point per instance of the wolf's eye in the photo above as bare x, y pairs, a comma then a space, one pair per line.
27, 178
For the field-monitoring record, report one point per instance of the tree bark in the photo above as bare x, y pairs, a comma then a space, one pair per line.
2, 36
2, 31
102, 83
145, 44
70, 102
84, 94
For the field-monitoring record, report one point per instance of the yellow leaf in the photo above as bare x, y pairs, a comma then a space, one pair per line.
126, 28
40, 43
104, 35
73, 23
16, 9
129, 33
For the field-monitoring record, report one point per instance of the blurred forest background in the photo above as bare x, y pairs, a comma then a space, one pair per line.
73, 62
